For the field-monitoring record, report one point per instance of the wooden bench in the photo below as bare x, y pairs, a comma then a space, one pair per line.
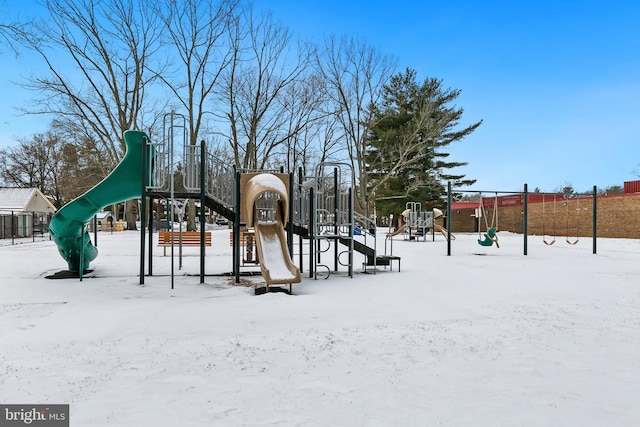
189, 238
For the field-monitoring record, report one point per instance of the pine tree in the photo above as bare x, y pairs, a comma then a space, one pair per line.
410, 127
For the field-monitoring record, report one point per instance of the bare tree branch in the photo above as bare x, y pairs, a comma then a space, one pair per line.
355, 73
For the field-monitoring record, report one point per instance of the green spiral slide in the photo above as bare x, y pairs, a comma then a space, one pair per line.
68, 225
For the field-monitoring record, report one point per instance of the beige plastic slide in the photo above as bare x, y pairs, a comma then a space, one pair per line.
397, 231
402, 222
271, 242
437, 213
444, 232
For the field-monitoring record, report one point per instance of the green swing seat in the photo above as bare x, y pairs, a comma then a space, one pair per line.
489, 238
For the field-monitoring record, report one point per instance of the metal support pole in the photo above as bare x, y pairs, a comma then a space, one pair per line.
203, 156
336, 215
312, 220
595, 218
81, 266
300, 202
95, 231
290, 223
351, 225
525, 219
236, 231
172, 195
150, 240
449, 218
143, 195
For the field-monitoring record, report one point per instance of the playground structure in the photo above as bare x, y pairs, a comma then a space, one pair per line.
270, 204
415, 224
267, 207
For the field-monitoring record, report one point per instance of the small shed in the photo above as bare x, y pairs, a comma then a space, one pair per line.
23, 212
105, 221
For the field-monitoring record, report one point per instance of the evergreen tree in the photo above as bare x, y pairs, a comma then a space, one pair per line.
410, 127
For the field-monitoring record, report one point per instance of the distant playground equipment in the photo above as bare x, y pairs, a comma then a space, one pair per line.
415, 224
490, 237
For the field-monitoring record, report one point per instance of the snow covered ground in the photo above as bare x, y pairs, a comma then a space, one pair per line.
486, 337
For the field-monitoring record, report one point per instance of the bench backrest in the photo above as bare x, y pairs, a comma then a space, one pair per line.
188, 237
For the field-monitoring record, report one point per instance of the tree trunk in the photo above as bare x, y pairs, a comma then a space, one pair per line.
130, 213
191, 215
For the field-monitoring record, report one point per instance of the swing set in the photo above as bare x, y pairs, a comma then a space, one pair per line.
487, 225
489, 237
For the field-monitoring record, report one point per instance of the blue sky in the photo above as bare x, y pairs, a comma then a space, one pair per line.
557, 83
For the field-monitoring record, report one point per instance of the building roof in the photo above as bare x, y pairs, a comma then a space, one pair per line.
24, 200
104, 215
464, 205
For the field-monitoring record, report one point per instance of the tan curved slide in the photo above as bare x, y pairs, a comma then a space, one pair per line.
402, 222
271, 242
396, 231
444, 232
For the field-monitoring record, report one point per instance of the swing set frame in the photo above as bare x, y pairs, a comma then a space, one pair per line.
525, 229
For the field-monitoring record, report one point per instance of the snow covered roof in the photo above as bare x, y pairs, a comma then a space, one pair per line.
24, 200
104, 215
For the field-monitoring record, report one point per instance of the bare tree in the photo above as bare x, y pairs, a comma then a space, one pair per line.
196, 30
97, 55
10, 31
265, 65
60, 169
355, 73
301, 113
30, 163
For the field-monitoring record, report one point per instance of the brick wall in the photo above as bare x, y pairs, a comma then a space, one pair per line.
617, 216
463, 221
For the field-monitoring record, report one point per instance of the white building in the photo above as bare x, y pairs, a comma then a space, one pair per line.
23, 211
